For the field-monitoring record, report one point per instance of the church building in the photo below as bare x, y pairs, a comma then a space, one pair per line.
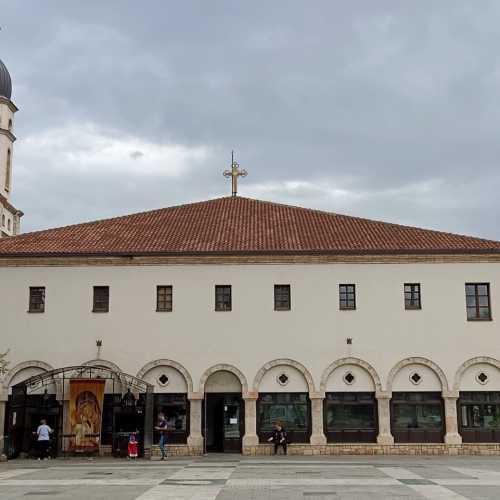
230, 315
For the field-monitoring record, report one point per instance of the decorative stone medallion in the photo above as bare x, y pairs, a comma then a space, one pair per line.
283, 379
349, 378
415, 378
482, 378
163, 380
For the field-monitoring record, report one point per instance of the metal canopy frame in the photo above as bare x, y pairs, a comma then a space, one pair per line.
59, 376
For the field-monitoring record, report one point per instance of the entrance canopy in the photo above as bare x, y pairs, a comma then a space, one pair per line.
113, 402
118, 381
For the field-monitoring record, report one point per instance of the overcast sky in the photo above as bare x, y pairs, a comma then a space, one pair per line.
388, 109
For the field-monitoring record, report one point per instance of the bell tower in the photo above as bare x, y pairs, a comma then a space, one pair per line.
10, 217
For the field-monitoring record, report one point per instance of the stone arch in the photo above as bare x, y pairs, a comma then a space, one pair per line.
471, 362
284, 362
105, 363
22, 366
227, 368
350, 361
172, 364
418, 361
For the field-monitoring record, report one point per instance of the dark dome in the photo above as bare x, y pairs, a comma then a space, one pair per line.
5, 81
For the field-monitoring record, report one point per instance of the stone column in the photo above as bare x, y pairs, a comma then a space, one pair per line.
318, 433
384, 418
250, 438
450, 414
195, 438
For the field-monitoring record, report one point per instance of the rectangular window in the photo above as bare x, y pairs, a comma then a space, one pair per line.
222, 297
477, 297
347, 296
412, 296
164, 298
37, 299
282, 298
101, 299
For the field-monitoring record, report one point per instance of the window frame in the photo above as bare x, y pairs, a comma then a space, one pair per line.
96, 309
477, 305
412, 292
219, 290
278, 290
166, 307
31, 302
347, 307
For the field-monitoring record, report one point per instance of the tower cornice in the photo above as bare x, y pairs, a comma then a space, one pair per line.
8, 133
9, 103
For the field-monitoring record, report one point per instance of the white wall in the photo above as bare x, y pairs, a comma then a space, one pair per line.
313, 333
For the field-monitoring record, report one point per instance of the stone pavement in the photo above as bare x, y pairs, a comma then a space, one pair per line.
228, 477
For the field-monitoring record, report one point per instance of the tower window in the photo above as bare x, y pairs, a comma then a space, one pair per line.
3, 220
10, 125
8, 171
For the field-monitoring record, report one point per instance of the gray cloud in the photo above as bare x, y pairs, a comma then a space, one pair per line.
378, 109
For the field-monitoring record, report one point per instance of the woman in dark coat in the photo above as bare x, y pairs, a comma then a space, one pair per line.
279, 437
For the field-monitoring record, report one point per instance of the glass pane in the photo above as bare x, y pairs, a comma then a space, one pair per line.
482, 289
484, 312
483, 300
471, 313
404, 416
345, 416
470, 300
470, 289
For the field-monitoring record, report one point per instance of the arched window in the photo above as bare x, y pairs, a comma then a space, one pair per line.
10, 125
8, 225
8, 171
3, 220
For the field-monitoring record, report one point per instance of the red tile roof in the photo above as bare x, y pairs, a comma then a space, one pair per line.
239, 225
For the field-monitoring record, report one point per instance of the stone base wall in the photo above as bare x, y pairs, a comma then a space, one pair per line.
177, 450
183, 450
379, 449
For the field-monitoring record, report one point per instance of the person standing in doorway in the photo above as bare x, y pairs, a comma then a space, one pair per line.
43, 439
162, 428
279, 437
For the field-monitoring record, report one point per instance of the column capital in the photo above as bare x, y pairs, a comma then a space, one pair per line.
317, 395
196, 396
450, 394
383, 394
250, 395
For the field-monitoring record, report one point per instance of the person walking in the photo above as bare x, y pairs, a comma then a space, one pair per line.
279, 438
162, 428
43, 439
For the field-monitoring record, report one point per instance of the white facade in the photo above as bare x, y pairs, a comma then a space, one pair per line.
313, 332
247, 349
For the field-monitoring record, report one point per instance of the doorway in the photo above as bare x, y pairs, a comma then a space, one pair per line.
223, 422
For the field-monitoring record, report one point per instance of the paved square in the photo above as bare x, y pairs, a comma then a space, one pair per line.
228, 477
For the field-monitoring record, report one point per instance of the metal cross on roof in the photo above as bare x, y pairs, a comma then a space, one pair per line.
234, 173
